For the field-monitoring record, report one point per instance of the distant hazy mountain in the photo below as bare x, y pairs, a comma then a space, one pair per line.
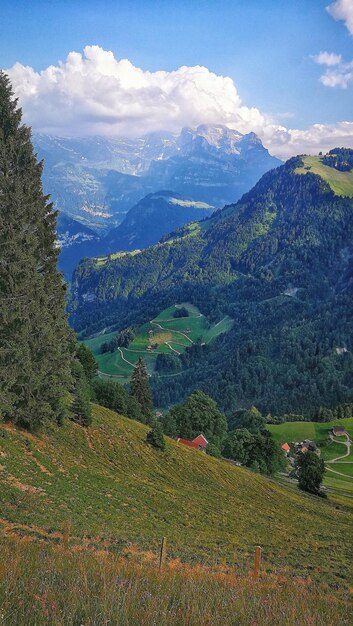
97, 180
150, 219
71, 232
154, 216
214, 164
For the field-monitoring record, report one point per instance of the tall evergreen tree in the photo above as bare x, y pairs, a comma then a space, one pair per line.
140, 389
34, 335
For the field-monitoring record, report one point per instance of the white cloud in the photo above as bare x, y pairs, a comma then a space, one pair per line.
338, 73
96, 94
341, 76
327, 58
288, 142
342, 73
342, 10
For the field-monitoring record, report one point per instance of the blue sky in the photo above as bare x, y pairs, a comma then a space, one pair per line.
265, 46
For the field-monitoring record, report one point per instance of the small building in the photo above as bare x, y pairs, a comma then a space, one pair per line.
286, 448
307, 446
338, 431
199, 443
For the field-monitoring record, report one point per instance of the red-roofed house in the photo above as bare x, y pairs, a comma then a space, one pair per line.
200, 442
285, 447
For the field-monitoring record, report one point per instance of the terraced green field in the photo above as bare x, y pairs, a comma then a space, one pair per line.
170, 335
340, 182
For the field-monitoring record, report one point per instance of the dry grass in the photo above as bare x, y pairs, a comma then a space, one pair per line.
61, 586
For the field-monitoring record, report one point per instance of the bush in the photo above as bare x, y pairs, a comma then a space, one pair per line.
155, 437
113, 396
213, 450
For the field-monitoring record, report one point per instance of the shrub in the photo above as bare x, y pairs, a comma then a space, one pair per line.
155, 437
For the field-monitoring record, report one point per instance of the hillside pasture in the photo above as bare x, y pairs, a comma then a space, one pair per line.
317, 431
166, 334
340, 182
119, 494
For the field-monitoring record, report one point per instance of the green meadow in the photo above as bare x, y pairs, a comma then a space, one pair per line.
339, 475
170, 335
340, 182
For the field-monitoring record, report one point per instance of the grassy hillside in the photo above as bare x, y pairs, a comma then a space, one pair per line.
340, 182
171, 335
120, 494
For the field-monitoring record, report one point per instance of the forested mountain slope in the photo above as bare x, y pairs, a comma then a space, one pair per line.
280, 263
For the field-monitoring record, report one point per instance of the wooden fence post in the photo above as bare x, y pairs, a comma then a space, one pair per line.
66, 533
257, 562
162, 552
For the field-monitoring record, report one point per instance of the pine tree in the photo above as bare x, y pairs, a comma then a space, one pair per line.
140, 389
35, 340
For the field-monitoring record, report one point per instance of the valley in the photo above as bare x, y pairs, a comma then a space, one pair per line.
176, 318
278, 263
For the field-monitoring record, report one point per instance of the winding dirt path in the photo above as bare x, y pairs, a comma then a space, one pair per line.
346, 443
339, 473
100, 373
123, 358
338, 459
167, 343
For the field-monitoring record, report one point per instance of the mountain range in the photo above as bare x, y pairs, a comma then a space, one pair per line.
111, 187
97, 180
279, 262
